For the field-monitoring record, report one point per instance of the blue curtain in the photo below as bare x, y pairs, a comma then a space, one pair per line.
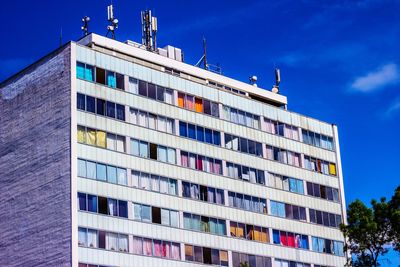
192, 131
101, 172
92, 203
80, 70
200, 134
122, 209
275, 235
208, 136
111, 174
182, 129
89, 73
111, 80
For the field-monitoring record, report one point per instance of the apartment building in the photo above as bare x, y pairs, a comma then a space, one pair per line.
112, 155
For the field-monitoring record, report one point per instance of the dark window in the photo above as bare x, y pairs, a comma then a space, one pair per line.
200, 134
151, 89
243, 145
160, 93
319, 216
80, 103
332, 220
215, 257
102, 239
208, 136
90, 104
142, 88
122, 209
183, 129
323, 192
313, 219
102, 205
92, 203
302, 213
317, 192
156, 215
120, 81
100, 75
198, 254
325, 217
217, 138
120, 112
203, 193
82, 201
153, 151
296, 213
207, 256
206, 107
192, 131
111, 109
100, 107
252, 147
310, 190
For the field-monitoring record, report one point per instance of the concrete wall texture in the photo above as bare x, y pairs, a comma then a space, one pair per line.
35, 172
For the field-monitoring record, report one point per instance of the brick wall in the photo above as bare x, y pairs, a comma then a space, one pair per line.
35, 176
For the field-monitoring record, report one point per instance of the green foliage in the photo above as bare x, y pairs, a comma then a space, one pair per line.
371, 231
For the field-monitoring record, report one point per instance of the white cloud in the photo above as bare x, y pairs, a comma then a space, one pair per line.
378, 79
395, 107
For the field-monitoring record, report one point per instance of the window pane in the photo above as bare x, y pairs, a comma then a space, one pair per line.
111, 174
90, 104
81, 101
101, 172
100, 107
110, 109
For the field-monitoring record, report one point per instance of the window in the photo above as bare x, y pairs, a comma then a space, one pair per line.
247, 202
290, 239
318, 140
245, 173
204, 224
243, 145
90, 104
250, 232
84, 71
100, 107
100, 76
110, 109
325, 218
327, 246
288, 211
322, 191
285, 183
241, 117
257, 261
159, 184
206, 255
81, 102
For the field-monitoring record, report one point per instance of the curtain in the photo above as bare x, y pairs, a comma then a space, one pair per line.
165, 217
171, 156
137, 245
112, 207
89, 73
135, 175
169, 125
143, 149
162, 153
214, 109
187, 220
111, 81
161, 124
145, 181
168, 96
174, 218
164, 185
123, 243
152, 121
192, 161
111, 141
111, 174
155, 183
146, 213
181, 102
219, 196
134, 116
135, 147
81, 168
270, 153
199, 104
120, 143
157, 248
211, 194
91, 136
175, 251
92, 238
143, 119
226, 113
147, 247
80, 70
122, 179
82, 237
137, 212
101, 172
91, 170
133, 85
111, 241
101, 138
172, 187
252, 173
332, 169
218, 167
184, 159
189, 103
81, 134
166, 249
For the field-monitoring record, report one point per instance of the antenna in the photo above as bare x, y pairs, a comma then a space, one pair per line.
214, 68
113, 21
149, 30
85, 26
275, 88
253, 80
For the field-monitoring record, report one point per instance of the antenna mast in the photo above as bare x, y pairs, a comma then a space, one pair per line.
149, 30
203, 59
85, 26
275, 88
113, 21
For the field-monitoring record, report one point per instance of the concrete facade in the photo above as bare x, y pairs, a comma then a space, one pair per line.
47, 98
35, 172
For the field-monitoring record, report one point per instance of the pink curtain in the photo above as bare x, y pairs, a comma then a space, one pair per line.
157, 248
270, 154
175, 251
137, 245
166, 249
217, 167
199, 163
147, 247
184, 159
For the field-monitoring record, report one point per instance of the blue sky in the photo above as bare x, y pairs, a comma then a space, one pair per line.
339, 60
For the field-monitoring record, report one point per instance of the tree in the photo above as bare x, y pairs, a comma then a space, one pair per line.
371, 231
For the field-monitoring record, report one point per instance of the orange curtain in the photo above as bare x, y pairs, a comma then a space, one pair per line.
199, 104
181, 102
